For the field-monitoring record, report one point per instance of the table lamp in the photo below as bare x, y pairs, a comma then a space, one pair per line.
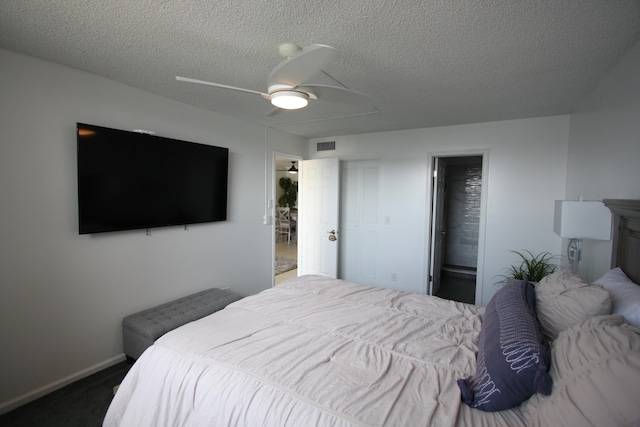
577, 220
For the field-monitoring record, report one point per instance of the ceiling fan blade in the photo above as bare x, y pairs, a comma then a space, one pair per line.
302, 66
204, 82
338, 94
273, 111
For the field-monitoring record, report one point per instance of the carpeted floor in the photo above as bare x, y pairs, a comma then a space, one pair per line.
285, 264
83, 403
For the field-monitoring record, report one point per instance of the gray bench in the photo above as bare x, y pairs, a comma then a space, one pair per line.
140, 330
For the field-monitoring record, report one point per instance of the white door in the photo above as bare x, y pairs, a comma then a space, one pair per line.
318, 198
438, 232
360, 183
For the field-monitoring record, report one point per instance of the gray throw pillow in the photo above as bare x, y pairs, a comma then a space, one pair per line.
513, 356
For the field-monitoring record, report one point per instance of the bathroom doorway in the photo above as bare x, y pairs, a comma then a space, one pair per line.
455, 228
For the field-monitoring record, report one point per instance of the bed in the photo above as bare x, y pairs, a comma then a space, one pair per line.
322, 352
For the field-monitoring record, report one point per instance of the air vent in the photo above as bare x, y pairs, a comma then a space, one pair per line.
326, 146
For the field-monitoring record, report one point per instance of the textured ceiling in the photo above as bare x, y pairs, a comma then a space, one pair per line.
424, 62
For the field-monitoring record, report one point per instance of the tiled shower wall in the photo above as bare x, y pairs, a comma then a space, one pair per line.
463, 193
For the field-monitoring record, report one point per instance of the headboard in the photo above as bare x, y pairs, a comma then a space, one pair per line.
626, 236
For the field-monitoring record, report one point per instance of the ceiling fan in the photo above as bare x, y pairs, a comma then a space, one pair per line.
286, 86
292, 170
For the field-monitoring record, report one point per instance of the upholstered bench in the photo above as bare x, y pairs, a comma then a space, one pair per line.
140, 330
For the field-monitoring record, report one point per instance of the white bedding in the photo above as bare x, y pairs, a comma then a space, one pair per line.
312, 352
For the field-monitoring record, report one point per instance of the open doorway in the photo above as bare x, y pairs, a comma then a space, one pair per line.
456, 213
285, 205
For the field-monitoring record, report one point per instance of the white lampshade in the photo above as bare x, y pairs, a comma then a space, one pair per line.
289, 99
582, 220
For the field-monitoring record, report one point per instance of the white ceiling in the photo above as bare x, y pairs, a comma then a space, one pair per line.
424, 62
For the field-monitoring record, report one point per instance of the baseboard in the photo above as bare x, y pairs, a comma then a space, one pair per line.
51, 387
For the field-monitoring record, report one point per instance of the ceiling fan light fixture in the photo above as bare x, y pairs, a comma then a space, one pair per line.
289, 99
293, 168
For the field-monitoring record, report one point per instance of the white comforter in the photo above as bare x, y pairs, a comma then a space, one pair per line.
312, 352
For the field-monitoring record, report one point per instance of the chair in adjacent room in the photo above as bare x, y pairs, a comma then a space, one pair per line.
284, 225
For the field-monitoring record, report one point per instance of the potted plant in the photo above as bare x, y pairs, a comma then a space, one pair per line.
290, 195
531, 267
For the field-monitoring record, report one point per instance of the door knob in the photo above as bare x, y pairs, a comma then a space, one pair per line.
332, 235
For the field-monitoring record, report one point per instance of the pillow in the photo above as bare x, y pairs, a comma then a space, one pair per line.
564, 299
624, 293
596, 372
513, 357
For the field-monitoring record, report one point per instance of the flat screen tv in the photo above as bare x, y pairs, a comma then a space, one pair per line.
129, 180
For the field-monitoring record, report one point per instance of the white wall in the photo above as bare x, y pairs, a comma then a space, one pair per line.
62, 295
604, 149
526, 173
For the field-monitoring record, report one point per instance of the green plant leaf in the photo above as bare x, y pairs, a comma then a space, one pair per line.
531, 267
290, 195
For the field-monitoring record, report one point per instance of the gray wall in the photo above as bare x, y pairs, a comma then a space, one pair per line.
604, 149
526, 170
593, 153
62, 295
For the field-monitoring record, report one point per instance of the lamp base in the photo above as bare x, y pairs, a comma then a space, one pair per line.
574, 251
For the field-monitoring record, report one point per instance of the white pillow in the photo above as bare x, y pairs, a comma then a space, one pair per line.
624, 293
564, 299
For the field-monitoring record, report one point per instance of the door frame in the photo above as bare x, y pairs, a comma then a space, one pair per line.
271, 205
436, 256
472, 152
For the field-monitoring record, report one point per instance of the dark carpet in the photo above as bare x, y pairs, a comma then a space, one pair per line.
82, 403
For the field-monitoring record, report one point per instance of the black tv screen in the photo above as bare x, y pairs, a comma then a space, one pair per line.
129, 180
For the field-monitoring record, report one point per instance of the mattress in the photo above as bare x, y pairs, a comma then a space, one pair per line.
312, 352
